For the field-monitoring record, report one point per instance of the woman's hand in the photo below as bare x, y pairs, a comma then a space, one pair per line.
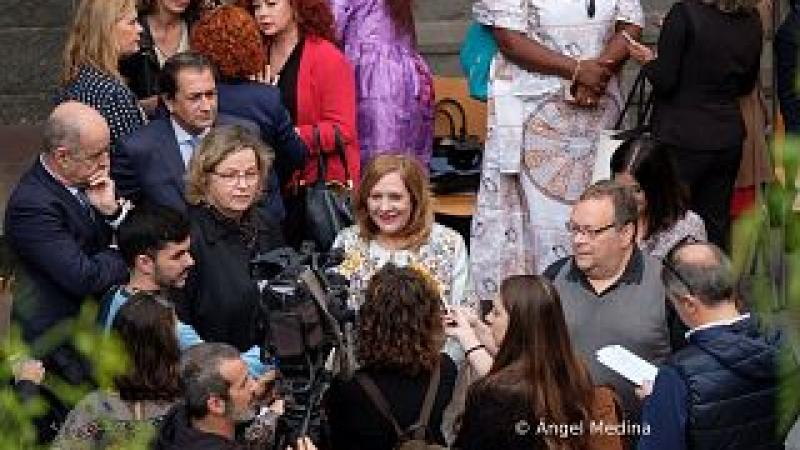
457, 325
266, 76
640, 52
594, 74
584, 96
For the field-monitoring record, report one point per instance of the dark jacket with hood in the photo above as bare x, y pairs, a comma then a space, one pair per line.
176, 433
733, 375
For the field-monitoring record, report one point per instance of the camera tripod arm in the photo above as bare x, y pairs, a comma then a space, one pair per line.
315, 288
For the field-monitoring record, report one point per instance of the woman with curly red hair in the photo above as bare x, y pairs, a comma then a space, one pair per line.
395, 85
316, 82
229, 37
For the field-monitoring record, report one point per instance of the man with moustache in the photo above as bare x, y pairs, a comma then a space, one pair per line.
218, 393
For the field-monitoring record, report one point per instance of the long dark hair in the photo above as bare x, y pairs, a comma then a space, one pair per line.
147, 328
653, 168
536, 361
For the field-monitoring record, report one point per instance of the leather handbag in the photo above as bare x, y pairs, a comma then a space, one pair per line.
455, 164
328, 204
609, 140
476, 56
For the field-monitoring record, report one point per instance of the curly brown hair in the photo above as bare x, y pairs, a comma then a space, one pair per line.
313, 17
230, 38
400, 324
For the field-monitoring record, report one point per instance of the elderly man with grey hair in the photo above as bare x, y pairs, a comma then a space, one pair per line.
722, 389
59, 222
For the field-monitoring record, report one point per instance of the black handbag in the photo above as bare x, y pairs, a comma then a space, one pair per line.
455, 164
328, 205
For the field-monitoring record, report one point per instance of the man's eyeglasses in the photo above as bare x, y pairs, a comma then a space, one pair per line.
575, 229
232, 178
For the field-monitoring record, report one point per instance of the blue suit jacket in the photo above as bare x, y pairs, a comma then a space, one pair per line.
148, 166
262, 104
63, 253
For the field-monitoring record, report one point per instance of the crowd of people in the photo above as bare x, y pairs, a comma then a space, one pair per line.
183, 140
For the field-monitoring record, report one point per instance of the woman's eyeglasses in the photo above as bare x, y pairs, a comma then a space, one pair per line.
232, 178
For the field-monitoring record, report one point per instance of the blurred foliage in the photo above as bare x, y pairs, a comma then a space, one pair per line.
766, 256
105, 352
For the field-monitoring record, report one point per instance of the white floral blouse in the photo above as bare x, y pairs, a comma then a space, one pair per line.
443, 257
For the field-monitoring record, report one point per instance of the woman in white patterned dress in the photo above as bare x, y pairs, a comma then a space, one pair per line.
552, 90
395, 224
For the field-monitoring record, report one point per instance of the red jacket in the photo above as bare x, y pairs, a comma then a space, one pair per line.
326, 96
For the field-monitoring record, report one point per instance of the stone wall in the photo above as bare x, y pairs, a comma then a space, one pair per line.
31, 39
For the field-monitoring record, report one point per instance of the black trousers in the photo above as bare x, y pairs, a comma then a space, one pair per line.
710, 176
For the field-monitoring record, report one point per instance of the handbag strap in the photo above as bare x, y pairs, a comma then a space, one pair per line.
462, 131
377, 398
638, 92
338, 141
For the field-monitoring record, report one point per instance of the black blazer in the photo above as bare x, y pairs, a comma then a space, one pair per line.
221, 297
706, 60
262, 104
64, 254
149, 167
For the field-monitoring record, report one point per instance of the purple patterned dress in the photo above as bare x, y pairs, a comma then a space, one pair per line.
394, 84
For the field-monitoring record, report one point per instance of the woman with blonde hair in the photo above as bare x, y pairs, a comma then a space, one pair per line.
165, 32
224, 182
394, 215
102, 32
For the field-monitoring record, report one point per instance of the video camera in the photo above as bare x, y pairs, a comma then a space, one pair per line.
303, 309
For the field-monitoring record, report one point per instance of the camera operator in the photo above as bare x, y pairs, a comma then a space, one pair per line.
219, 394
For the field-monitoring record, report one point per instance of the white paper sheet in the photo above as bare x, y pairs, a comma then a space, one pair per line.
626, 363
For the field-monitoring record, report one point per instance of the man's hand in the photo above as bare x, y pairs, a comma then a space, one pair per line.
30, 370
265, 387
100, 192
304, 443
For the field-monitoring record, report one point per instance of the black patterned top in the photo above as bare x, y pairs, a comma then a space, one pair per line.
109, 96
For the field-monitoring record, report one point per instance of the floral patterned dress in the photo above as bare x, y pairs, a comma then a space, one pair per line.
443, 257
540, 149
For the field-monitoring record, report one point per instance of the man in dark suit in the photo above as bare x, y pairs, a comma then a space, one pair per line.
59, 222
151, 163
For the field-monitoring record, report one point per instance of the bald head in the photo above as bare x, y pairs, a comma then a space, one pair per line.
704, 270
76, 140
70, 123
